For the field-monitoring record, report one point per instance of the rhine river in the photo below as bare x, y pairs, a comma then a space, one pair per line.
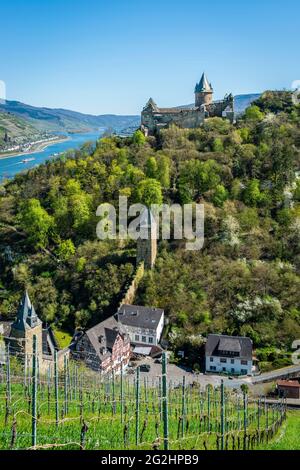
10, 166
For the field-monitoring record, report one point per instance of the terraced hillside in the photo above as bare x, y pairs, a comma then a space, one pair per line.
15, 130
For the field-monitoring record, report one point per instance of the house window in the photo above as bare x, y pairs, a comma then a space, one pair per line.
244, 371
232, 361
212, 368
223, 360
144, 339
224, 369
150, 339
137, 338
232, 370
211, 359
244, 363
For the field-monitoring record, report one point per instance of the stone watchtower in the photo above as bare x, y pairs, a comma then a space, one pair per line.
203, 92
147, 242
26, 325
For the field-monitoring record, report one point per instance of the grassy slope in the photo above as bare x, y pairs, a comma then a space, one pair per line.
63, 339
288, 437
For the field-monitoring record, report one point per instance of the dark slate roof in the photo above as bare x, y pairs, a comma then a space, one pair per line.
151, 104
140, 317
228, 343
236, 344
203, 85
26, 316
107, 331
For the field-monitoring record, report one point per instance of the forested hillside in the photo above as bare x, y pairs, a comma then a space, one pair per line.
245, 280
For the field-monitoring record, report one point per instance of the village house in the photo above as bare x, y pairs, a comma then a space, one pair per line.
229, 355
104, 347
288, 389
144, 325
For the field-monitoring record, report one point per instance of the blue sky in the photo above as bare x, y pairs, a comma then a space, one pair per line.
98, 56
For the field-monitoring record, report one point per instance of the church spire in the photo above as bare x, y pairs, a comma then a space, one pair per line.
26, 316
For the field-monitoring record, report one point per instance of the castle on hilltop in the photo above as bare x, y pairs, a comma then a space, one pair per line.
155, 118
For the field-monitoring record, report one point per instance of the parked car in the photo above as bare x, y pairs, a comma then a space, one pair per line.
145, 368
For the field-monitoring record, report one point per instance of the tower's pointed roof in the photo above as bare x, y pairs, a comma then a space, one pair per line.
147, 224
147, 219
26, 316
203, 85
151, 104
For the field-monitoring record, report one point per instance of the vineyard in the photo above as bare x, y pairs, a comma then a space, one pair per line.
76, 408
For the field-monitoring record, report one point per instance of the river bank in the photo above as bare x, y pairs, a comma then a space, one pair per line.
35, 148
11, 166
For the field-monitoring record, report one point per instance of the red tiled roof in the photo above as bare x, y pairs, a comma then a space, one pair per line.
288, 383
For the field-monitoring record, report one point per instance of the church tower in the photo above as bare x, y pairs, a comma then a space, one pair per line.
203, 92
26, 325
147, 241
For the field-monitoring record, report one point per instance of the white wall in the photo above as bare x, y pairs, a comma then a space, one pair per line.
237, 365
160, 328
155, 334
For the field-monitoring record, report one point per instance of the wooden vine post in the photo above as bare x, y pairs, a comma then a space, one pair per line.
183, 407
34, 392
222, 416
165, 401
56, 389
121, 394
8, 382
137, 406
245, 402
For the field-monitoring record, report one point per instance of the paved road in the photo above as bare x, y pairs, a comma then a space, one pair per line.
176, 374
276, 374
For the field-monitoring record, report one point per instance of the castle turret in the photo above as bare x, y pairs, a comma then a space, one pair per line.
26, 325
203, 92
147, 242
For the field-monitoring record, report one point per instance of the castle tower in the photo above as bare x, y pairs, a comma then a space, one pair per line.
26, 325
147, 242
203, 92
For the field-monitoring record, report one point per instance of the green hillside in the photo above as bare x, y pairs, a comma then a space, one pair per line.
47, 119
245, 281
15, 130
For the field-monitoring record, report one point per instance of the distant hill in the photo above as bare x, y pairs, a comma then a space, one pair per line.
60, 120
241, 102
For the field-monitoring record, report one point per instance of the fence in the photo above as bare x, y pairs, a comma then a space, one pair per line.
80, 409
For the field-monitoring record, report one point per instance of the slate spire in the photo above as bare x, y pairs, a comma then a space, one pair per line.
204, 85
26, 316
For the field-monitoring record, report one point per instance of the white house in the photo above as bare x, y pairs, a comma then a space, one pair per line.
228, 354
144, 325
